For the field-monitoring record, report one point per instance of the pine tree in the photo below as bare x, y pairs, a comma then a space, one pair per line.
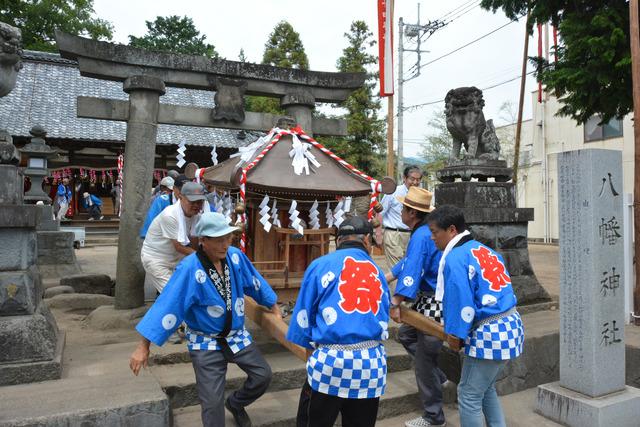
365, 146
241, 56
283, 49
174, 34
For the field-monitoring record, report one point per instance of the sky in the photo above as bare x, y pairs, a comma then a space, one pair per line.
246, 24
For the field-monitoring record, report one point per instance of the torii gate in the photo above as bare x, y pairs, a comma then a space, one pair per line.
145, 74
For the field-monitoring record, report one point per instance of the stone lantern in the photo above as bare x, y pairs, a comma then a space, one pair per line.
37, 153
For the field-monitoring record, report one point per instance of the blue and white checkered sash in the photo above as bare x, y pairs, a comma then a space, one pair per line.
237, 340
501, 338
352, 374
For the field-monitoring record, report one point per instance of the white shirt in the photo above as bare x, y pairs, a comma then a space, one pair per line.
392, 213
164, 228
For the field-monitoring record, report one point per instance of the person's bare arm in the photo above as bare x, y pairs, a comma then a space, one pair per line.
194, 243
184, 250
140, 356
390, 277
394, 311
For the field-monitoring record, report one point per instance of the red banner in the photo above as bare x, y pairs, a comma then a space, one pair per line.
385, 46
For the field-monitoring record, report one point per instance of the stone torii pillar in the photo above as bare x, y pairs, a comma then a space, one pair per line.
142, 128
300, 104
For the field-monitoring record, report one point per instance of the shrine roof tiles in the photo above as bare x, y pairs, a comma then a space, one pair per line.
46, 92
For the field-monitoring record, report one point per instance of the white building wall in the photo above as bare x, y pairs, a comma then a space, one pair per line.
545, 136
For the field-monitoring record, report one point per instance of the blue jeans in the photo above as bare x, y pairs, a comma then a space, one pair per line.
477, 393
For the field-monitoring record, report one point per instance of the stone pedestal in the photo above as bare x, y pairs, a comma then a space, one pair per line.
592, 390
29, 337
493, 219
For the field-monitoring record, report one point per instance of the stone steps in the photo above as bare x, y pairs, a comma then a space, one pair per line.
279, 408
178, 379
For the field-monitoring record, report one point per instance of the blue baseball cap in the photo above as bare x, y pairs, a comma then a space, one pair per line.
213, 224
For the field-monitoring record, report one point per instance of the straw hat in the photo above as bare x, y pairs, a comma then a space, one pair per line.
417, 198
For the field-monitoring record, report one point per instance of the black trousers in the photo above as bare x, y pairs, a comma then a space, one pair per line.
317, 409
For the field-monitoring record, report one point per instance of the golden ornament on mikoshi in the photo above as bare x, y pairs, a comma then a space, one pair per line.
240, 208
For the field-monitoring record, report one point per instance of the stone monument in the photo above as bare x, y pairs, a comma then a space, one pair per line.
591, 391
489, 204
29, 337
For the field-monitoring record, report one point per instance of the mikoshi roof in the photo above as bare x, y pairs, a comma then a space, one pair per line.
46, 92
274, 175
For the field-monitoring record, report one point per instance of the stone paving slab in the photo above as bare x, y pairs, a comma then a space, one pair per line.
278, 409
107, 400
289, 372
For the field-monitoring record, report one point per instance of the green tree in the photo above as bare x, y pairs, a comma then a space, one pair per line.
241, 56
174, 34
38, 19
437, 148
365, 146
593, 72
282, 49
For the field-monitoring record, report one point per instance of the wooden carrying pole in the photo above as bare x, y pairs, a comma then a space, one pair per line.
428, 326
634, 30
276, 327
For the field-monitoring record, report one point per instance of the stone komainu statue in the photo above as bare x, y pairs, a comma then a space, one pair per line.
10, 52
466, 123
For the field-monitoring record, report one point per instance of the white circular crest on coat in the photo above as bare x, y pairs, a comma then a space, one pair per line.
472, 272
408, 281
169, 321
235, 258
489, 300
302, 319
215, 311
467, 314
256, 283
240, 306
327, 278
385, 330
329, 315
201, 276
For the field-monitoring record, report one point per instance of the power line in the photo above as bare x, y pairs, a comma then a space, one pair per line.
471, 42
463, 12
457, 9
425, 104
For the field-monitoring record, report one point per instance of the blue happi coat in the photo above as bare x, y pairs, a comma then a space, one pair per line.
94, 199
479, 303
190, 296
157, 206
343, 300
64, 194
418, 270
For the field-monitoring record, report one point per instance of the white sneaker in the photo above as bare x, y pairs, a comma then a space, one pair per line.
101, 216
421, 422
90, 219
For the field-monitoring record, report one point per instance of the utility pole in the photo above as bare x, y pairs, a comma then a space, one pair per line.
390, 153
634, 31
413, 32
400, 97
